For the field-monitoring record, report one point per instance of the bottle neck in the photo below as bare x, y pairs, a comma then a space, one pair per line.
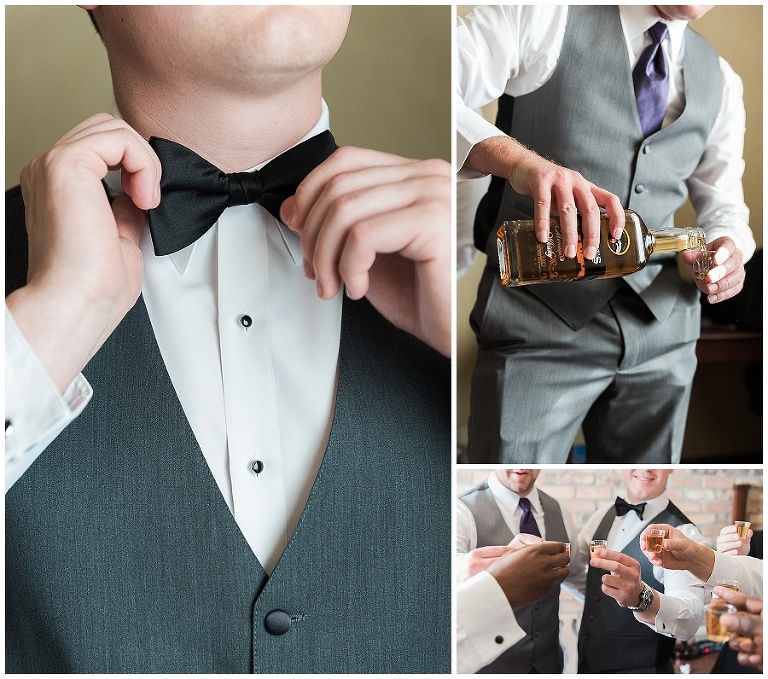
676, 239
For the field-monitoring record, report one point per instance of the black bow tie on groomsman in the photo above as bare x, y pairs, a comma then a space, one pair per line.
623, 507
194, 193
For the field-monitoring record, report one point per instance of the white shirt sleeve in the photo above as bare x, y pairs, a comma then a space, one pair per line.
746, 569
35, 411
466, 538
681, 606
576, 582
510, 49
715, 187
486, 625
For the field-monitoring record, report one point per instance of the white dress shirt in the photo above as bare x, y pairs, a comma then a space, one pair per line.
746, 569
263, 393
681, 607
485, 623
486, 614
514, 49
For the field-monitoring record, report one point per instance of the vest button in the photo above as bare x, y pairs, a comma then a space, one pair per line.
639, 188
277, 622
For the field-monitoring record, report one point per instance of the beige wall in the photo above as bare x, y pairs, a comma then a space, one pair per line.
388, 87
736, 32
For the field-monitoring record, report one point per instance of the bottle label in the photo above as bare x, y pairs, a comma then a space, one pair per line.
524, 260
621, 246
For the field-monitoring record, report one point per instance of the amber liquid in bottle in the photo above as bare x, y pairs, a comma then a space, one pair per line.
523, 260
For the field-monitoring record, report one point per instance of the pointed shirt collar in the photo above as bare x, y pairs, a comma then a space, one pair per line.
291, 240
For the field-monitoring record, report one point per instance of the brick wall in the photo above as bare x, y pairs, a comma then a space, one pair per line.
705, 495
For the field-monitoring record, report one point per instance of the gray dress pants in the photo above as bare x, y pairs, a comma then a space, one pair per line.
624, 377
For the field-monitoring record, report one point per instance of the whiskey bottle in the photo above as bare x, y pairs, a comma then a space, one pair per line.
523, 260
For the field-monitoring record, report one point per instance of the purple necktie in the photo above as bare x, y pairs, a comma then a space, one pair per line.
651, 79
527, 522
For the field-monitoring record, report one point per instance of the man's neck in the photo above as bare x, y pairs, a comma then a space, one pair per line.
234, 132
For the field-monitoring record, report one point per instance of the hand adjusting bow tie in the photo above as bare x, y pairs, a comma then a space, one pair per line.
622, 507
194, 193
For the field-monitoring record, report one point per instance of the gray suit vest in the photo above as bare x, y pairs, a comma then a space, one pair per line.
122, 556
540, 649
610, 638
585, 118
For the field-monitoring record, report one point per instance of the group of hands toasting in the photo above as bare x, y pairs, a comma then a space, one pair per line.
529, 566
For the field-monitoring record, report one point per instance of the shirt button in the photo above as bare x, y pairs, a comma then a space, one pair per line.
647, 149
639, 188
499, 640
277, 622
257, 466
246, 321
8, 428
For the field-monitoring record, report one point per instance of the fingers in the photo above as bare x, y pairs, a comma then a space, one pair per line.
490, 552
613, 208
731, 596
348, 218
524, 539
742, 624
99, 144
727, 278
129, 219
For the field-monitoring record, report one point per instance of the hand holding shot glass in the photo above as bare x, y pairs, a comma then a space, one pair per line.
715, 629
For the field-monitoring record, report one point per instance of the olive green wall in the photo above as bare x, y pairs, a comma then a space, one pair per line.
387, 88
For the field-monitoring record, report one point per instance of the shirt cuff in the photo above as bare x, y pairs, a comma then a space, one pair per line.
471, 129
486, 623
36, 412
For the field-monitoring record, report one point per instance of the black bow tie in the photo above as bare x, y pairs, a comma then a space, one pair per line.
194, 193
622, 507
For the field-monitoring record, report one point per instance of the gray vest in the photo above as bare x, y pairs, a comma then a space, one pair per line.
585, 118
540, 650
122, 556
610, 638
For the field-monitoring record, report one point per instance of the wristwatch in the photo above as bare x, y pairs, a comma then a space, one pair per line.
646, 599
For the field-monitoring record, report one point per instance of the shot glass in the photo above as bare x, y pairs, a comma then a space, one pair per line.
715, 630
654, 539
703, 263
596, 543
742, 528
730, 584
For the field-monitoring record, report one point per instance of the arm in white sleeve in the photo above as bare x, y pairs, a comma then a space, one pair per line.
681, 606
486, 625
746, 569
576, 582
715, 187
466, 538
509, 49
35, 411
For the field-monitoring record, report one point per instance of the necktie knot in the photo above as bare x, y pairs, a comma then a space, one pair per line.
658, 32
527, 521
244, 188
623, 507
